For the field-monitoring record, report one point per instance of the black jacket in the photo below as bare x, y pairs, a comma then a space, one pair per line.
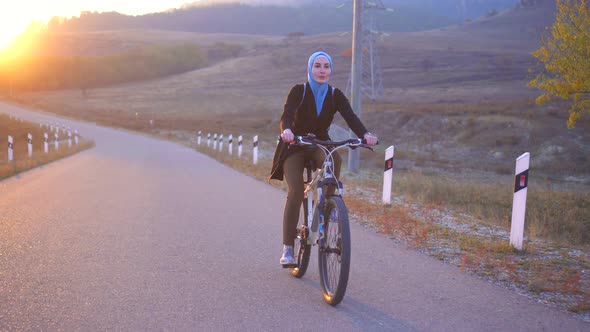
301, 117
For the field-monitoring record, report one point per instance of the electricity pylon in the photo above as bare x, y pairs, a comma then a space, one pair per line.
372, 81
364, 78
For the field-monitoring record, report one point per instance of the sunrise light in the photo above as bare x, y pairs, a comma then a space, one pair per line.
11, 26
16, 16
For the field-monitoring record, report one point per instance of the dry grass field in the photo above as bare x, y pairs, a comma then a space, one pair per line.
455, 106
455, 98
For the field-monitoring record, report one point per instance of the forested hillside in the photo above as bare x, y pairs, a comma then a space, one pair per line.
273, 19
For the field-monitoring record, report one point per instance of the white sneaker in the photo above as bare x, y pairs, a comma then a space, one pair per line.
287, 258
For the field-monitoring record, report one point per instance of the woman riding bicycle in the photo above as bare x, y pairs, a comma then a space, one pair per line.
309, 108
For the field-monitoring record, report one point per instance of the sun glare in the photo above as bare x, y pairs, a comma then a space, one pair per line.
16, 16
5, 38
9, 30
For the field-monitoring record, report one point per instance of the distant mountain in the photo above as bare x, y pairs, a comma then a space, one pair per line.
461, 9
267, 17
451, 8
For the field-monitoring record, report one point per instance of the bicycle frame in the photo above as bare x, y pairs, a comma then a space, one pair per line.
317, 182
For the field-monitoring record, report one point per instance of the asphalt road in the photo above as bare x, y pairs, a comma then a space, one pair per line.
140, 234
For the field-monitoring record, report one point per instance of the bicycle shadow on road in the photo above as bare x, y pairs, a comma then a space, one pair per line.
363, 315
370, 318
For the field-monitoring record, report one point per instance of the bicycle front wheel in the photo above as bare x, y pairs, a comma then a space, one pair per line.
334, 251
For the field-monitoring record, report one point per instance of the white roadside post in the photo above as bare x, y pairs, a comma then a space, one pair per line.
208, 139
199, 138
46, 143
388, 175
30, 144
220, 142
69, 138
521, 180
10, 148
214, 142
230, 144
56, 141
76, 136
240, 146
255, 150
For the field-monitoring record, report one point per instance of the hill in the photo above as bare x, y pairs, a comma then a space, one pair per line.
268, 17
456, 97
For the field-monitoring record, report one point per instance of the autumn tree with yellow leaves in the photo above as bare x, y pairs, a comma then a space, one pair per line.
565, 54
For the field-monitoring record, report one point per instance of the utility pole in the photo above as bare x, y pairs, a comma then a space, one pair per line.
356, 77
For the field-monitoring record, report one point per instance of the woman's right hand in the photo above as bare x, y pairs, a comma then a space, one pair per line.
287, 136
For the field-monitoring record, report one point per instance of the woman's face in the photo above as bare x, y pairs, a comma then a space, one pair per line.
320, 71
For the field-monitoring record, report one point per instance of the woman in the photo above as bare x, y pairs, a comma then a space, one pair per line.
309, 108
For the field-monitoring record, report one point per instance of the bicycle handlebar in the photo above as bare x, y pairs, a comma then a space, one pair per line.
351, 143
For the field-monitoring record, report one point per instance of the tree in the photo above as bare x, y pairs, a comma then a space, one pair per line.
566, 58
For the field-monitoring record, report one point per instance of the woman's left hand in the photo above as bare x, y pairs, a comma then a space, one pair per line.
370, 139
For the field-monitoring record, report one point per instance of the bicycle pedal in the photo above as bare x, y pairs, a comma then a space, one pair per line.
289, 266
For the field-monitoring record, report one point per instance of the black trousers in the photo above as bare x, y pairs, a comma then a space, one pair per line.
293, 169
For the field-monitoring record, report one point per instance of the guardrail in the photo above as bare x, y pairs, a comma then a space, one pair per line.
53, 128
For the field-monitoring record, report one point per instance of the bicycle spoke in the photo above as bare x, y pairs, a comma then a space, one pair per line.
332, 251
334, 274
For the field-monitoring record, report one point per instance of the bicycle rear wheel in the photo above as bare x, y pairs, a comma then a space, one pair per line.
334, 251
301, 249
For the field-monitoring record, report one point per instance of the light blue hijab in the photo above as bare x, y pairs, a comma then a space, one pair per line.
319, 90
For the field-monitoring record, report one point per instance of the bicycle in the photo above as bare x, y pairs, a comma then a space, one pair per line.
323, 221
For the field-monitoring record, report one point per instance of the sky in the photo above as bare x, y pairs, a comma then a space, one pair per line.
15, 15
